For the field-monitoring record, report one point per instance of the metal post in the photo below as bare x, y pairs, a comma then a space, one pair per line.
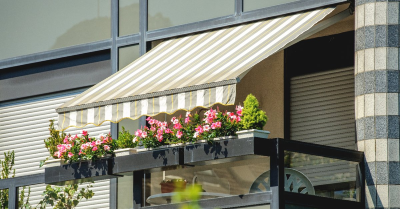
138, 178
143, 18
238, 7
114, 69
13, 197
277, 181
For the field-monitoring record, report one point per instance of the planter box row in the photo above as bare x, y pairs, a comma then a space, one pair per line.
128, 160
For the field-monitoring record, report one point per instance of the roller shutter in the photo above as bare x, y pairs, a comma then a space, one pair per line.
322, 112
24, 125
322, 108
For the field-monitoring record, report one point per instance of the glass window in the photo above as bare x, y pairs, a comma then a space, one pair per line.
163, 14
321, 176
259, 4
128, 17
35, 26
217, 178
127, 55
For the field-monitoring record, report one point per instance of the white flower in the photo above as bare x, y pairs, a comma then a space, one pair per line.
134, 140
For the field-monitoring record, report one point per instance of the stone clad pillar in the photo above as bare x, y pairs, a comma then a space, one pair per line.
377, 99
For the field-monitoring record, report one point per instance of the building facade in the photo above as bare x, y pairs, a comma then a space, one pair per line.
336, 85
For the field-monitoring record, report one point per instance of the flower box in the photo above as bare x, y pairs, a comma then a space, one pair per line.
125, 152
252, 133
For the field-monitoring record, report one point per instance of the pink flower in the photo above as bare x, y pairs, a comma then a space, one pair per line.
216, 125
177, 126
168, 131
160, 138
84, 146
144, 134
70, 154
66, 140
93, 144
58, 154
106, 147
152, 121
206, 128
173, 119
179, 134
176, 121
153, 128
94, 149
199, 129
84, 132
148, 118
160, 132
98, 142
239, 110
187, 120
138, 133
80, 152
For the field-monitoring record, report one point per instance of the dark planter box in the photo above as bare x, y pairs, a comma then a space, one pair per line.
79, 172
146, 160
224, 149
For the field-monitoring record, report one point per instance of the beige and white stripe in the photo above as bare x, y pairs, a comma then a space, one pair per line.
183, 73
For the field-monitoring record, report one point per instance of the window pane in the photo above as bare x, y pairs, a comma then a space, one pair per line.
35, 26
259, 4
127, 55
217, 178
163, 13
128, 17
322, 176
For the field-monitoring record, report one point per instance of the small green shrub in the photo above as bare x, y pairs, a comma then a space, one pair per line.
126, 139
66, 197
253, 116
55, 139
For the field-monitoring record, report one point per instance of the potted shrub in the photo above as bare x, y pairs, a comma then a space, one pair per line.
126, 143
253, 119
65, 148
168, 186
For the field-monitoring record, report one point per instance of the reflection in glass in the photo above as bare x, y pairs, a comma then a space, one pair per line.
220, 179
35, 26
128, 17
259, 4
163, 14
127, 55
321, 176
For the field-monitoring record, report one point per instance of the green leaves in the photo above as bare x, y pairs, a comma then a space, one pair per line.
64, 197
125, 139
253, 116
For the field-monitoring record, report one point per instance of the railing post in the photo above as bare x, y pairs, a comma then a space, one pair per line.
277, 181
13, 197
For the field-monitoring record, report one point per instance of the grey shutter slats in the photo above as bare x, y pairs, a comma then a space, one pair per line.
24, 126
322, 105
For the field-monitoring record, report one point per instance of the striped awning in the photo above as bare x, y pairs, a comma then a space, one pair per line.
184, 73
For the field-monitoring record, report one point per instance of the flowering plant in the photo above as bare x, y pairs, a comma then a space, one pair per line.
83, 147
189, 129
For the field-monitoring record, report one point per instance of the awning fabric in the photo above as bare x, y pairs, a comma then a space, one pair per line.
184, 73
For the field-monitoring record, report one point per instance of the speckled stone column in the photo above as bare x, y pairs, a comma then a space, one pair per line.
377, 99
